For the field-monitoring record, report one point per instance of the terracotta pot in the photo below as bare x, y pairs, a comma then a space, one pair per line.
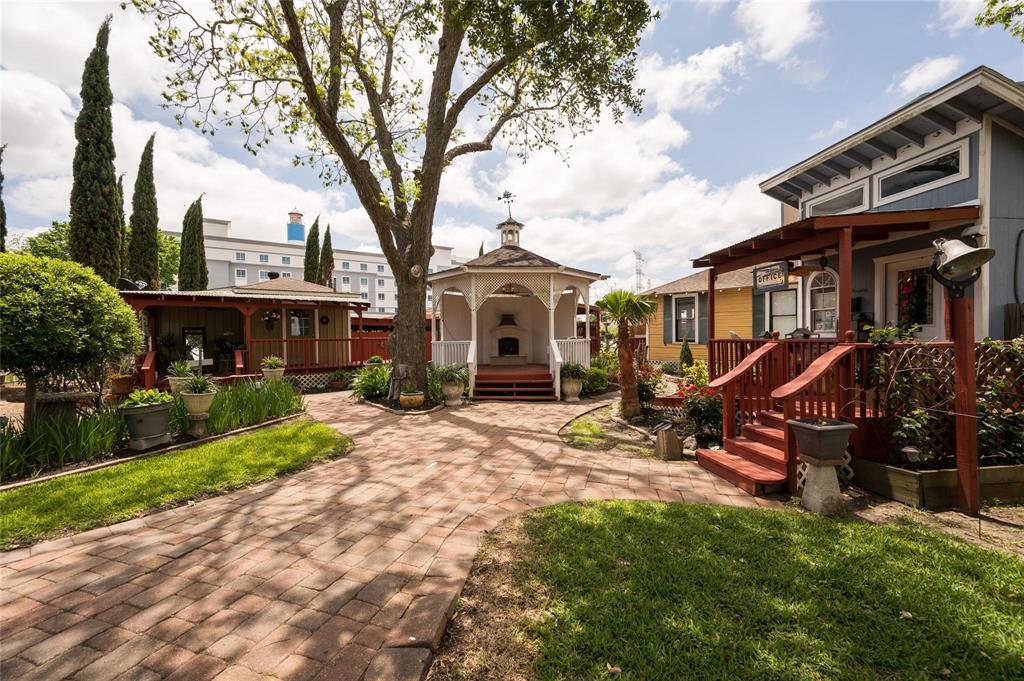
453, 393
412, 400
337, 385
175, 383
273, 374
121, 384
197, 403
571, 389
147, 424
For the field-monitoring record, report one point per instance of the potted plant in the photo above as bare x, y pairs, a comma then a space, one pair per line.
411, 398
273, 368
820, 438
374, 359
146, 414
572, 374
454, 378
123, 377
339, 380
178, 374
198, 393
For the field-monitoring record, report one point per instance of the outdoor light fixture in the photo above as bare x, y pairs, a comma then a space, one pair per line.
956, 265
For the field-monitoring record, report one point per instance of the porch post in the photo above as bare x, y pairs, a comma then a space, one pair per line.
316, 335
845, 293
359, 340
586, 320
966, 404
711, 318
551, 307
247, 313
284, 335
471, 360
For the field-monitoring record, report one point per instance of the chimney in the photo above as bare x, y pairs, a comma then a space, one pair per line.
296, 229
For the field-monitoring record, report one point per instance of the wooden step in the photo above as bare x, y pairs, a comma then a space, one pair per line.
517, 389
513, 381
757, 452
769, 435
774, 419
524, 376
515, 398
752, 478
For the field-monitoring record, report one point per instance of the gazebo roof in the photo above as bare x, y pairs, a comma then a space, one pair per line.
511, 256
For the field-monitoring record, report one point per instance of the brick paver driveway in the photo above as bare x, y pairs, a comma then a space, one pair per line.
347, 570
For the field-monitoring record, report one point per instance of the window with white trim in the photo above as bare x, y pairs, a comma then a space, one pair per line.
264, 275
363, 281
380, 296
684, 315
286, 260
380, 268
345, 265
847, 201
286, 275
924, 173
346, 280
364, 295
239, 256
380, 283
240, 274
264, 258
822, 288
363, 267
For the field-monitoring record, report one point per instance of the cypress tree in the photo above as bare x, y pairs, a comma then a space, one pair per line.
192, 273
326, 259
94, 212
3, 211
144, 252
122, 229
311, 264
481, 248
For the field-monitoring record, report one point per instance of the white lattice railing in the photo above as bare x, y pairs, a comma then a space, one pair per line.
555, 366
448, 353
575, 350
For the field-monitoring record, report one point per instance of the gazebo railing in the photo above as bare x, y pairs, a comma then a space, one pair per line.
576, 350
448, 353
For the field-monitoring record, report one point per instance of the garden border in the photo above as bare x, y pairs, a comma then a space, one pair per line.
144, 455
401, 412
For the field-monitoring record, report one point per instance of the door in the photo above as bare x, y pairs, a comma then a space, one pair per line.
912, 296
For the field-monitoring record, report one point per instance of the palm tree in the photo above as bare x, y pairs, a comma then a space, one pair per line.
628, 309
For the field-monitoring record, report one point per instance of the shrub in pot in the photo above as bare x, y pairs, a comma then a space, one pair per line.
178, 374
197, 394
146, 414
410, 397
123, 376
572, 381
273, 368
339, 380
374, 359
454, 378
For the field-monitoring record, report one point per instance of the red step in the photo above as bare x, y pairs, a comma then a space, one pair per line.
747, 475
774, 419
769, 435
515, 398
757, 452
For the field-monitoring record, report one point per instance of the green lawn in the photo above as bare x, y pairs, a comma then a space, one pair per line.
634, 590
109, 495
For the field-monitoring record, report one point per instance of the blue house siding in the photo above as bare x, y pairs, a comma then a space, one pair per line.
1006, 222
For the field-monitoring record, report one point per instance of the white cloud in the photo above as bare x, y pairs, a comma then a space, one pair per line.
694, 84
830, 132
775, 29
925, 74
957, 15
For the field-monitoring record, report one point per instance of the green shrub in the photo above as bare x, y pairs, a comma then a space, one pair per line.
703, 409
685, 354
595, 381
181, 368
374, 359
272, 362
696, 373
146, 398
250, 402
372, 382
608, 360
199, 384
45, 444
670, 368
340, 376
573, 370
648, 382
452, 373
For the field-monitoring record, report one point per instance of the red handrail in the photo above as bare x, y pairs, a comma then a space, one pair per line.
148, 370
743, 366
813, 372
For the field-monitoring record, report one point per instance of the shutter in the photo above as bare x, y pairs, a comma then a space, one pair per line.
702, 318
757, 311
666, 331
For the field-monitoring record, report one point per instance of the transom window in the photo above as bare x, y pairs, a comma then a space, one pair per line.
846, 202
821, 294
924, 174
685, 316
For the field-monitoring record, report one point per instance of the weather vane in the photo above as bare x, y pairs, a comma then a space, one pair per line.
509, 198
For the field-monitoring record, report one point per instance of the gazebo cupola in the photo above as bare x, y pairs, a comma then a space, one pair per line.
510, 231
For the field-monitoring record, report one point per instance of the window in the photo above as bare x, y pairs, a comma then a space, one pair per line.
345, 265
286, 275
264, 258
850, 201
782, 307
380, 283
430, 270
380, 268
239, 256
300, 324
380, 309
685, 316
924, 174
914, 297
240, 274
195, 343
286, 260
364, 295
430, 297
380, 296
264, 275
346, 280
362, 267
396, 297
334, 283
363, 281
821, 296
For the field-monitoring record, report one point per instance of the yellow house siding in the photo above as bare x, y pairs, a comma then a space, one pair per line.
733, 312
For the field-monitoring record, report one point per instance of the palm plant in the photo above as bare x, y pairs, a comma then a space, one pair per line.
627, 309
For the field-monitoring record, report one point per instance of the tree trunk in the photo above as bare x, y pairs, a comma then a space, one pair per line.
627, 373
31, 388
407, 340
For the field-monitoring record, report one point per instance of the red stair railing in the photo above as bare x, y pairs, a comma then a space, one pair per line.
747, 388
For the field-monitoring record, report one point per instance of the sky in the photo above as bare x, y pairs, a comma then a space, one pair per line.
734, 92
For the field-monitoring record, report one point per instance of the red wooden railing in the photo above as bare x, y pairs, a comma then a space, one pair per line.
301, 354
746, 390
147, 369
728, 352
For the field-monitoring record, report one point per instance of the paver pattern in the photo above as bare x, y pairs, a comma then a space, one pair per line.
348, 570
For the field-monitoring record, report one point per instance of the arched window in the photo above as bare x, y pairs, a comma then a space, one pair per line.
821, 297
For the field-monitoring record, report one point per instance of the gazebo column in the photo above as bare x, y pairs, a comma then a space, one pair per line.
845, 292
586, 320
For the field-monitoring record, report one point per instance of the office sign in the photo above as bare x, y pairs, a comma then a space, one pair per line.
773, 277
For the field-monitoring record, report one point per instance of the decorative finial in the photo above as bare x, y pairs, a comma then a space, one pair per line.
509, 198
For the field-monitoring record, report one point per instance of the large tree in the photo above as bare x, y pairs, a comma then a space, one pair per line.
50, 243
170, 253
1007, 13
192, 272
346, 79
122, 229
311, 263
144, 248
326, 259
95, 232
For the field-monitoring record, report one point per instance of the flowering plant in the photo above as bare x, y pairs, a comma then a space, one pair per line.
648, 381
703, 408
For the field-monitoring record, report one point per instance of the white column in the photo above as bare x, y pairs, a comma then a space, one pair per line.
472, 315
551, 307
586, 322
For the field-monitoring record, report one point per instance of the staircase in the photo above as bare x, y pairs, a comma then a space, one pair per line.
514, 384
754, 461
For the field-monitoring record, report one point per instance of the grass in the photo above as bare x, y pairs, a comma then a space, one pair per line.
110, 495
634, 590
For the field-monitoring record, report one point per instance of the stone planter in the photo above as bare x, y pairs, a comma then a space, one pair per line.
936, 490
411, 400
52, 406
175, 383
273, 374
121, 384
197, 403
147, 425
822, 444
571, 389
453, 393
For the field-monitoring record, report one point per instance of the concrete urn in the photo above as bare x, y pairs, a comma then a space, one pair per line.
197, 403
453, 393
571, 389
273, 374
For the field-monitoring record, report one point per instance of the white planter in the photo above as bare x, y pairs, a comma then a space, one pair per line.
571, 389
273, 374
175, 383
197, 403
452, 393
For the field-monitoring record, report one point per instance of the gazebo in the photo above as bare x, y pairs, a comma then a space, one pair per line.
511, 316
